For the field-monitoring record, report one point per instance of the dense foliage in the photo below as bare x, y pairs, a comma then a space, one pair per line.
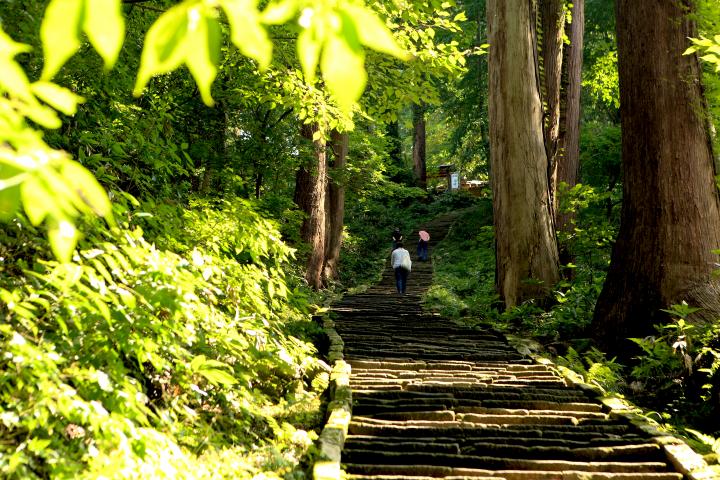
156, 319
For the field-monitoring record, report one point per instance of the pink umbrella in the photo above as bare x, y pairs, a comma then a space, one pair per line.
424, 236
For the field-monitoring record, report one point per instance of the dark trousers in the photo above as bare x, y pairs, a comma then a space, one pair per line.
401, 276
422, 250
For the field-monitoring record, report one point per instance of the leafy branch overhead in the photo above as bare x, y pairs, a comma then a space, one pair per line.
331, 35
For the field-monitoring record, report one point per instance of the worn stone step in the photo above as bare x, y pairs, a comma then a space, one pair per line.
374, 457
427, 472
539, 441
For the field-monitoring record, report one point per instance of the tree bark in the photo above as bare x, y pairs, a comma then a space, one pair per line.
526, 250
419, 162
552, 15
335, 206
394, 143
568, 162
568, 166
670, 218
310, 190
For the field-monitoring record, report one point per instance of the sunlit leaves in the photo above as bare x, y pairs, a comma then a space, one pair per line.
187, 33
64, 22
248, 35
710, 48
59, 98
52, 188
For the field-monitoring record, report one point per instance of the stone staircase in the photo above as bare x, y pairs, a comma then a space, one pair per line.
435, 399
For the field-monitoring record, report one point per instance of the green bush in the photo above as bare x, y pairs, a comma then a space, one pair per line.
135, 361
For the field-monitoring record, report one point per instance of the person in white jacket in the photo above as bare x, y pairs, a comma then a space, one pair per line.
401, 264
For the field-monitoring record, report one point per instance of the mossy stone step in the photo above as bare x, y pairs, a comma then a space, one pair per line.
470, 441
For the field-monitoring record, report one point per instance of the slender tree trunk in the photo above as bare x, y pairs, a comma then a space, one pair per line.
214, 161
335, 207
310, 190
419, 163
670, 219
568, 164
395, 143
526, 251
552, 15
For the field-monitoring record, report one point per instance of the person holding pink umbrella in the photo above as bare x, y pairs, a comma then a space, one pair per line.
422, 246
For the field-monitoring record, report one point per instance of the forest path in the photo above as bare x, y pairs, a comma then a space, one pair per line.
435, 399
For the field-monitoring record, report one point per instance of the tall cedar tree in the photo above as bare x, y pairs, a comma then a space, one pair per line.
526, 250
335, 206
670, 219
568, 167
552, 16
418, 152
310, 191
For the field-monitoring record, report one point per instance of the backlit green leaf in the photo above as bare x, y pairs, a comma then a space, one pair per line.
246, 32
36, 200
308, 53
373, 32
279, 12
60, 33
343, 70
164, 48
57, 97
9, 201
105, 27
217, 377
203, 37
63, 237
87, 188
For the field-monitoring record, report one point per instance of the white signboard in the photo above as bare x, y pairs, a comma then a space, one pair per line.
454, 181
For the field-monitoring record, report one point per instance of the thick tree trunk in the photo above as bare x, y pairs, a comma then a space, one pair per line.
419, 163
552, 15
670, 218
568, 164
335, 207
310, 189
526, 251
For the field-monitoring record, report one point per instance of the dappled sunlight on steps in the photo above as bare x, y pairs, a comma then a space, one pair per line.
433, 399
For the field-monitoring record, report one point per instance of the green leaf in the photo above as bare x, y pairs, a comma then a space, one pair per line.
690, 50
247, 34
280, 12
343, 70
105, 27
59, 98
63, 237
197, 363
60, 33
36, 200
217, 377
164, 48
372, 31
204, 37
9, 197
308, 49
86, 186
42, 115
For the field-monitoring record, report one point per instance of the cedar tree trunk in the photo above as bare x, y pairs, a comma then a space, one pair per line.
568, 168
310, 191
552, 15
670, 219
419, 165
335, 207
526, 251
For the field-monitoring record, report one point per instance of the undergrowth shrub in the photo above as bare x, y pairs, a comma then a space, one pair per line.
136, 361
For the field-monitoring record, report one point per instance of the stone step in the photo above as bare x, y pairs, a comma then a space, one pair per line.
373, 457
538, 441
428, 472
